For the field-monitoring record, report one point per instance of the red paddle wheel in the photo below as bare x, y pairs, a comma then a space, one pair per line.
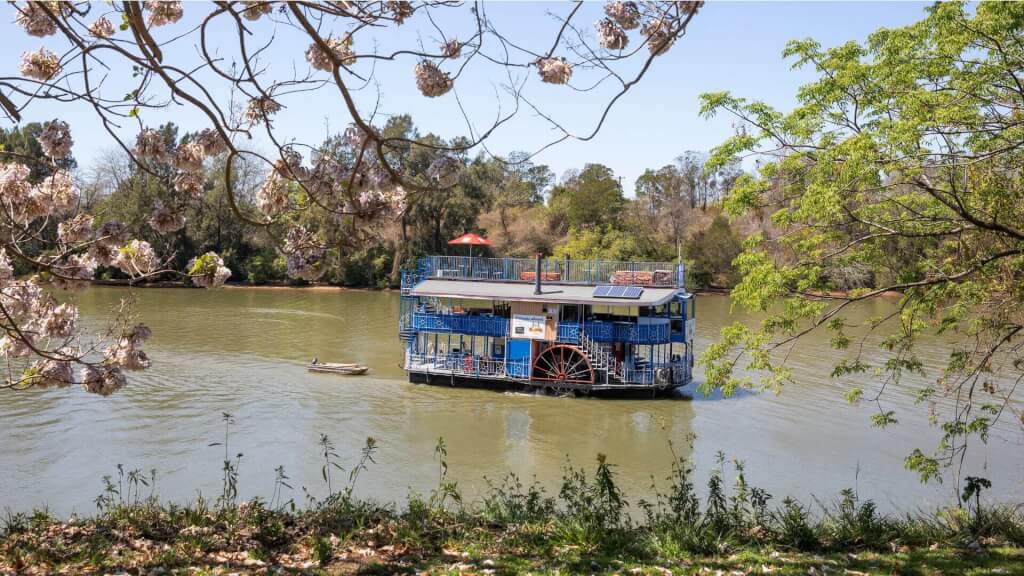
563, 363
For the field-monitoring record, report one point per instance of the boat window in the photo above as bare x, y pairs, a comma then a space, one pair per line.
570, 313
676, 308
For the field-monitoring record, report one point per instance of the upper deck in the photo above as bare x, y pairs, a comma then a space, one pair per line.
552, 271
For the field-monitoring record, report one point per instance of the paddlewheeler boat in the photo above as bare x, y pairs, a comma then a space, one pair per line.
561, 326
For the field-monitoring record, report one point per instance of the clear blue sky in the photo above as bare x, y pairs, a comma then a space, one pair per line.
733, 46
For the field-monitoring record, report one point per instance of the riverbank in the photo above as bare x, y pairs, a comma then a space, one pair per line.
346, 537
283, 286
587, 528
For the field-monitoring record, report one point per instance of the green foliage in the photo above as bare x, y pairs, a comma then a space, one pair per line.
710, 253
591, 198
204, 264
598, 243
371, 267
898, 171
511, 503
263, 267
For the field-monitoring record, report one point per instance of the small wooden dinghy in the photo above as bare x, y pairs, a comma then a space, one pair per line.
335, 368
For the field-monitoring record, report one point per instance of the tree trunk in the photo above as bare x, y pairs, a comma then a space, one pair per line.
396, 264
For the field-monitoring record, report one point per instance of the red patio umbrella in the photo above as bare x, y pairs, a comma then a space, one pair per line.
470, 240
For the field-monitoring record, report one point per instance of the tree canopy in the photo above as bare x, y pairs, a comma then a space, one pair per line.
899, 171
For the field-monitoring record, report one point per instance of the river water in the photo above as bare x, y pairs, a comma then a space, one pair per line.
243, 352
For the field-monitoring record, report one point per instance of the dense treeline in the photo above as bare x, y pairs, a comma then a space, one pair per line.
521, 206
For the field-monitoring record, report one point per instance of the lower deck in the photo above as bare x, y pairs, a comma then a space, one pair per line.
455, 379
519, 373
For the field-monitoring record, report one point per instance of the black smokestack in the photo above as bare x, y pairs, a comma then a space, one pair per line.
536, 280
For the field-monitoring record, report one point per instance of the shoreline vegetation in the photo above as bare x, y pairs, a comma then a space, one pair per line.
588, 527
337, 288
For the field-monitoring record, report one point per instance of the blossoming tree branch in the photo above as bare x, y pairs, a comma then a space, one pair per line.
340, 48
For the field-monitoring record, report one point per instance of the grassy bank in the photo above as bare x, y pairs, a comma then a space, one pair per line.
588, 527
249, 539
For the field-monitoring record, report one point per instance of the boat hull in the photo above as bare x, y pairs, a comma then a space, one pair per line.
548, 388
335, 370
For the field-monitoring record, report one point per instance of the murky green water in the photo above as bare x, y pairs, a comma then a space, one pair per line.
243, 352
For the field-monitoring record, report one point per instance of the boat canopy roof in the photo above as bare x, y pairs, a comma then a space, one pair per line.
523, 292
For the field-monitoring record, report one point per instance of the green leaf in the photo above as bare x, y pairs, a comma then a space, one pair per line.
883, 419
854, 395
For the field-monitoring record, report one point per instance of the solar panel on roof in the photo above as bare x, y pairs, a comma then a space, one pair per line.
630, 292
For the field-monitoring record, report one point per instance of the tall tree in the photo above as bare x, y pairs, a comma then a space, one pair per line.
912, 143
593, 197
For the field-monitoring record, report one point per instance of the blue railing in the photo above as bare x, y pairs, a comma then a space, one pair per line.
628, 332
466, 365
598, 331
557, 271
569, 332
409, 280
661, 374
460, 324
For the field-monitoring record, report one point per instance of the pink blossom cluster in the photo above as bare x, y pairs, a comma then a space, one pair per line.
659, 36
55, 139
254, 10
260, 110
400, 10
189, 157
75, 272
103, 380
430, 80
319, 59
451, 49
150, 145
101, 28
41, 65
22, 202
137, 259
211, 142
162, 12
48, 372
165, 220
611, 35
75, 230
625, 14
304, 254
125, 354
272, 197
33, 17
208, 271
554, 70
355, 136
